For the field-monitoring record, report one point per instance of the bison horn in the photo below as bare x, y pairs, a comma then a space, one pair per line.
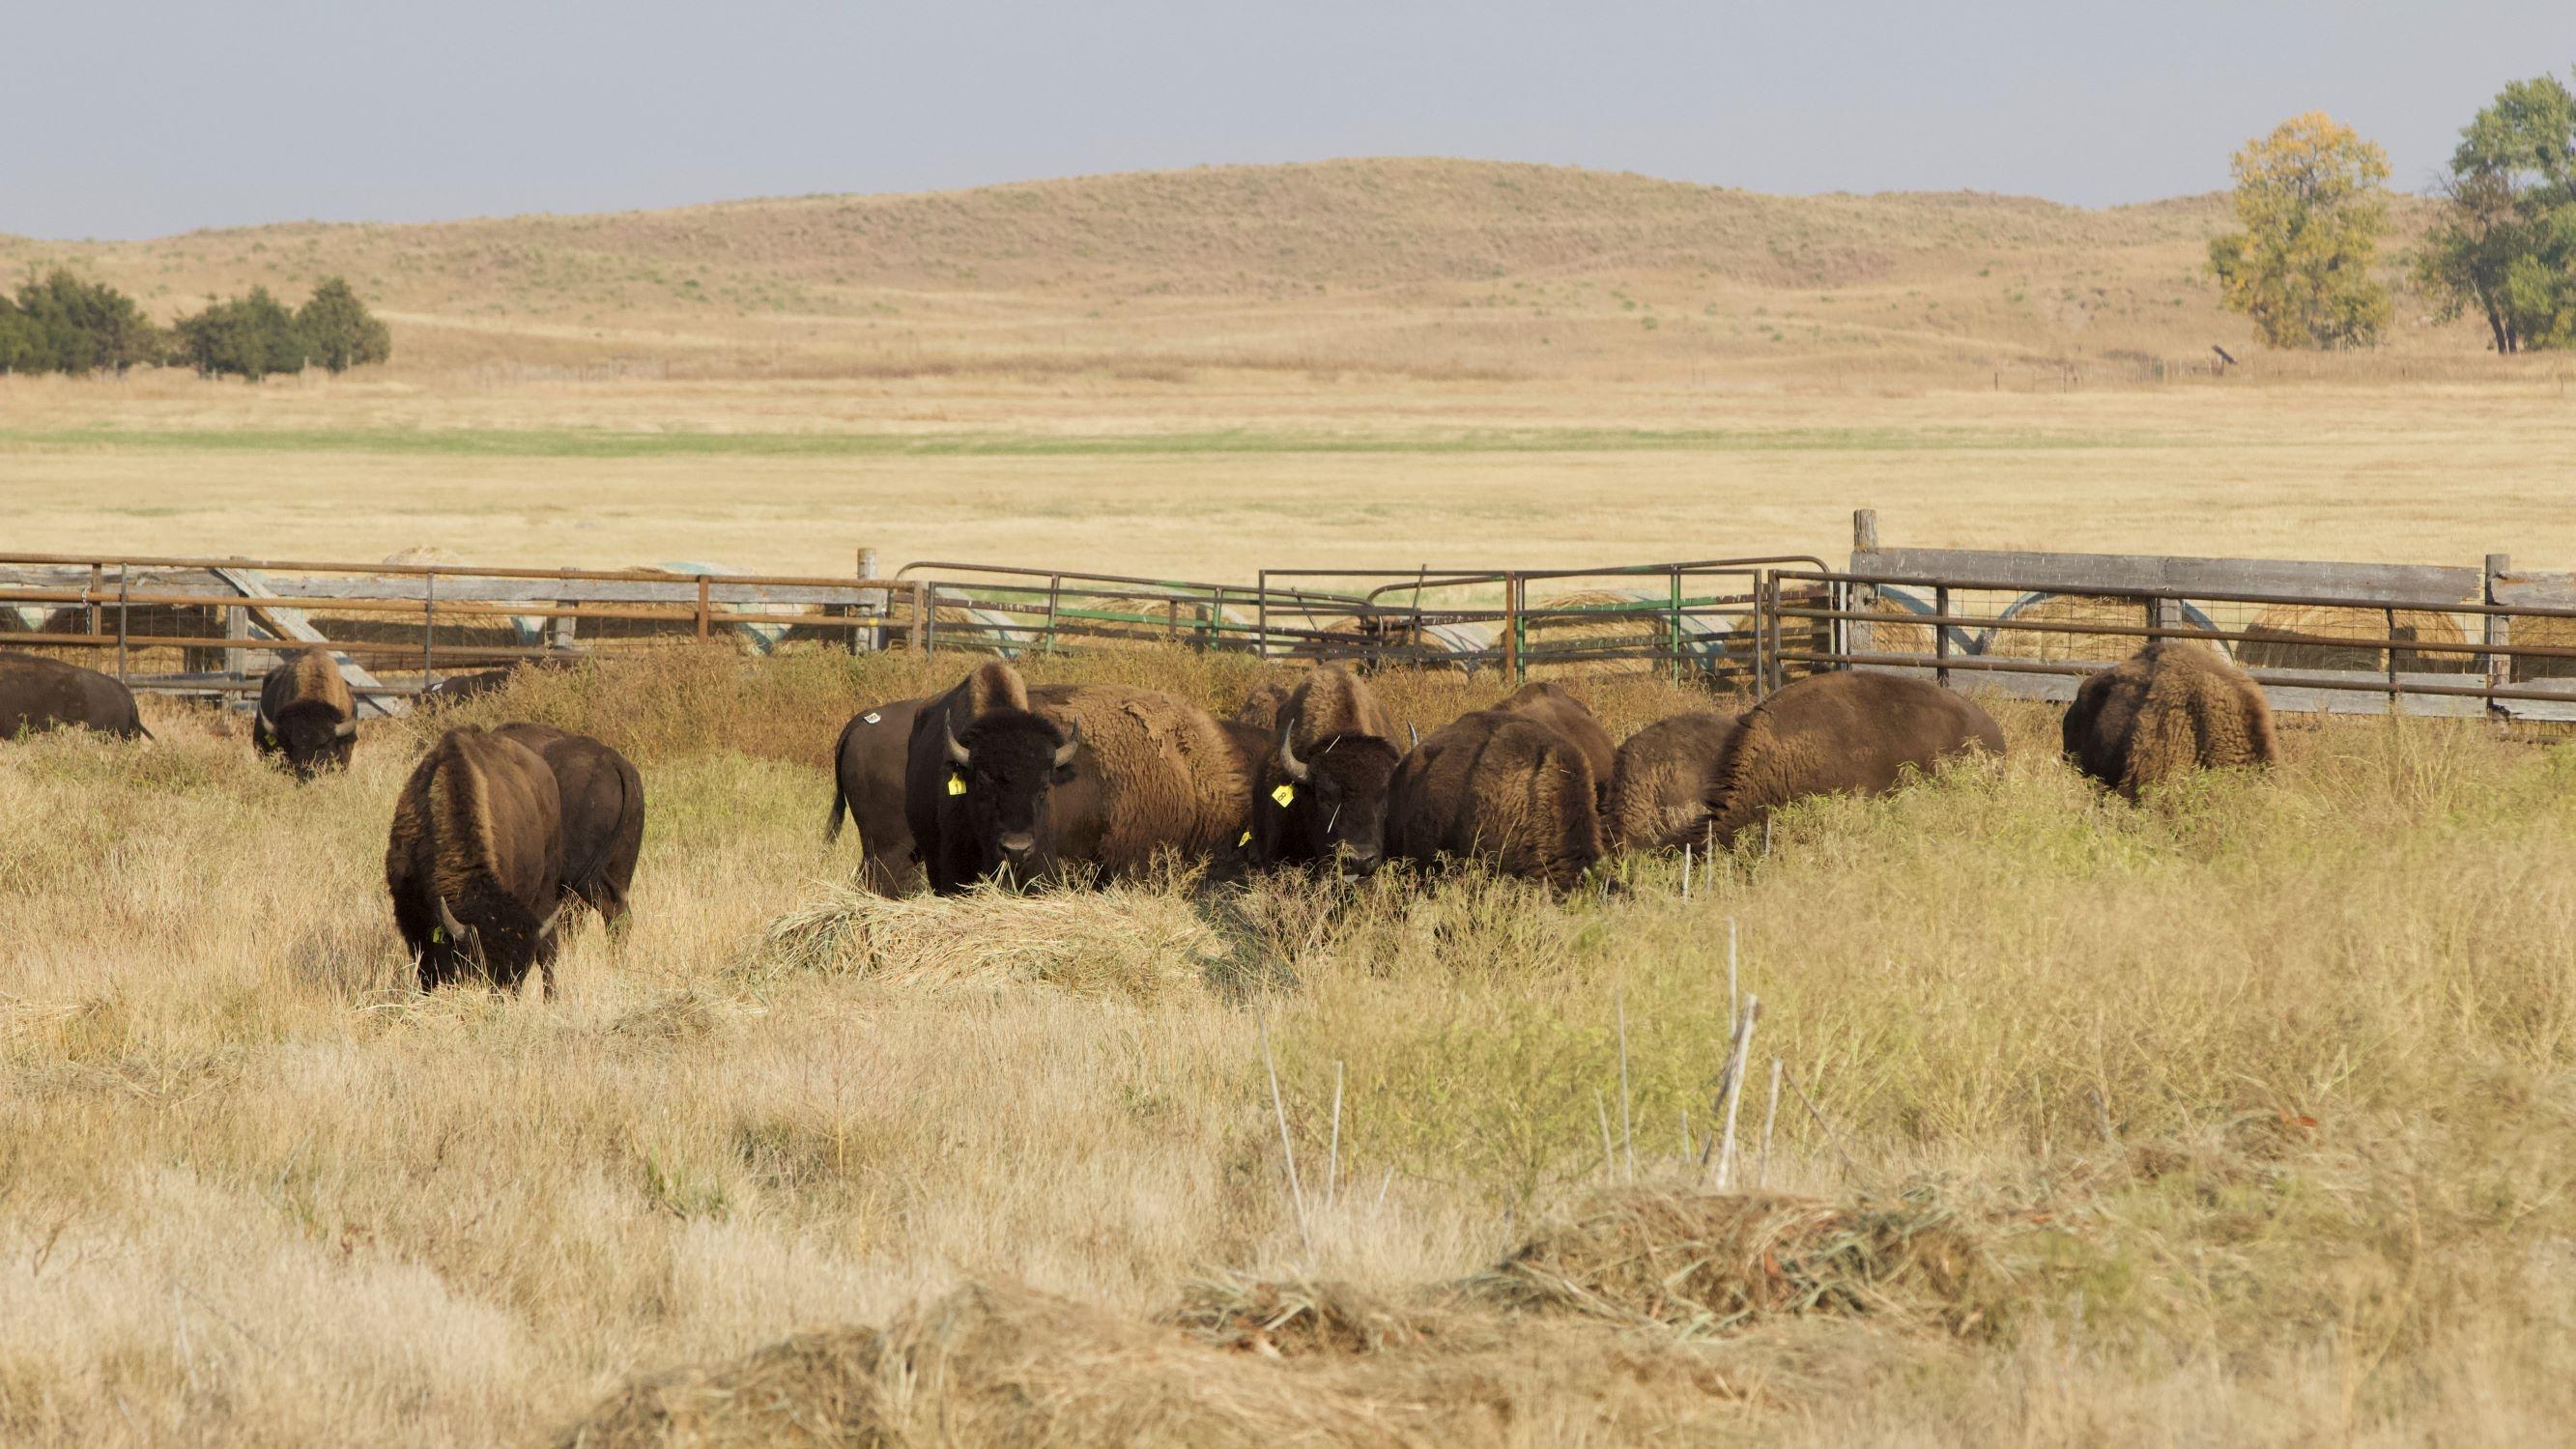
267, 726
1072, 742
465, 938
1297, 769
956, 752
347, 729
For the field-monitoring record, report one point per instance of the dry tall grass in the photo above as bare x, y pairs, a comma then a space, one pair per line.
2249, 1112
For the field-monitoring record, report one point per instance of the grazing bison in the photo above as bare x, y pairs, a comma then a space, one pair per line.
603, 814
2163, 712
307, 716
1500, 787
1087, 778
867, 783
1852, 733
1320, 796
1261, 707
1564, 711
457, 688
1662, 778
41, 694
931, 812
475, 862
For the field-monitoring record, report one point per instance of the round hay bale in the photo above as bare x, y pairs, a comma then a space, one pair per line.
1913, 640
2549, 634
2004, 643
1092, 621
1395, 636
2315, 636
1619, 631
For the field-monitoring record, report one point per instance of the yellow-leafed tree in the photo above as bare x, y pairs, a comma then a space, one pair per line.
2311, 199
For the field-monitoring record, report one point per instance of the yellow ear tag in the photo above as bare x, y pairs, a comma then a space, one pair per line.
1283, 795
956, 786
1246, 840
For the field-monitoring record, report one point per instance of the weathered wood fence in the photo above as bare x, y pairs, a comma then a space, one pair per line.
2421, 639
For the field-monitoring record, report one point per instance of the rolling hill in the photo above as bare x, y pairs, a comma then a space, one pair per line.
1427, 268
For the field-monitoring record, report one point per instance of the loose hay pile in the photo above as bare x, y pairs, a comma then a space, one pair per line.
1128, 941
996, 1366
1257, 1362
1704, 1263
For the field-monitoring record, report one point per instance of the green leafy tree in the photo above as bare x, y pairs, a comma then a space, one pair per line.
248, 337
2506, 244
339, 332
22, 342
2311, 199
80, 326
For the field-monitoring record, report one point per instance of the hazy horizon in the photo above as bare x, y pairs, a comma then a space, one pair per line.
305, 111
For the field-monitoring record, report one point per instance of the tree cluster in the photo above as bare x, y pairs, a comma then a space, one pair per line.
2506, 244
62, 323
2313, 203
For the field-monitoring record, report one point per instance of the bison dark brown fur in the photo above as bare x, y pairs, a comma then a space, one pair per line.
475, 861
2163, 712
602, 796
1319, 796
1847, 733
1093, 780
37, 693
867, 782
307, 717
1500, 787
1661, 781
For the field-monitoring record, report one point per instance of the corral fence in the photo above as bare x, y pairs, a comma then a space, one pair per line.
2325, 637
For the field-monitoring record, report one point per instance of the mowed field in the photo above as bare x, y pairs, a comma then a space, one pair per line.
2242, 1117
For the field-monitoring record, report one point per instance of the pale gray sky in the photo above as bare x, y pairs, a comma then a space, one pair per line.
142, 117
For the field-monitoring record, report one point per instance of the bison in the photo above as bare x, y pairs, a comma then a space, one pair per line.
1850, 733
1261, 705
603, 814
1320, 796
1501, 787
1662, 776
37, 693
1564, 711
867, 784
475, 862
2165, 711
307, 717
1086, 779
931, 813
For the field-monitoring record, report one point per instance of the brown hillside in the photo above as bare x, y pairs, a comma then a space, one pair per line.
1423, 266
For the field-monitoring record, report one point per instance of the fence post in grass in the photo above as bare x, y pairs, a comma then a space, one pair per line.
1770, 1115
702, 608
124, 610
237, 626
872, 606
2499, 637
428, 630
921, 616
1735, 1089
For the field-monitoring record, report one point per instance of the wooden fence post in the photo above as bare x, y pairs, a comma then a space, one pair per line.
1861, 636
428, 630
2499, 636
702, 608
872, 605
1512, 627
237, 626
95, 611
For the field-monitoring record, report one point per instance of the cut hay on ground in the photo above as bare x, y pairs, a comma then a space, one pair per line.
2312, 636
1707, 1262
998, 1366
1128, 941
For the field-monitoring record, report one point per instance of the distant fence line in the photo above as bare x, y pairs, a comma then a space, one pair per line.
2420, 639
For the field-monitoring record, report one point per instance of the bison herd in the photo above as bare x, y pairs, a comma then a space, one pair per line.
497, 830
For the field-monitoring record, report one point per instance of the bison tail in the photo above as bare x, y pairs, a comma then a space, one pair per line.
840, 803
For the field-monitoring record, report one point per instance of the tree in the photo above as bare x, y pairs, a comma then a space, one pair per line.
2310, 198
339, 332
67, 325
2506, 244
248, 337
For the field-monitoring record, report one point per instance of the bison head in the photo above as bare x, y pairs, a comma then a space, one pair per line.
1006, 772
501, 954
1330, 805
313, 738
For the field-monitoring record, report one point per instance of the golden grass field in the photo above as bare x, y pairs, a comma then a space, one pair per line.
2241, 1118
